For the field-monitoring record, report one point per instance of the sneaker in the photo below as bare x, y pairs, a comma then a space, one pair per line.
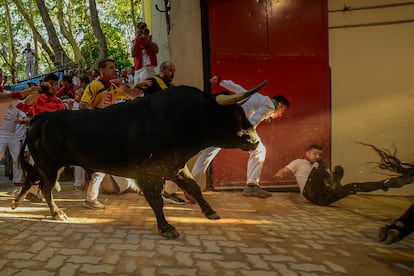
93, 204
172, 198
254, 190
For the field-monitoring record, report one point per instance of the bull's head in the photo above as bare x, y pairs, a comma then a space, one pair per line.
239, 125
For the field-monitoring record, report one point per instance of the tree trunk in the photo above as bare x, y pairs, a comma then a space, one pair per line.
10, 58
36, 48
134, 21
61, 59
36, 34
67, 33
97, 30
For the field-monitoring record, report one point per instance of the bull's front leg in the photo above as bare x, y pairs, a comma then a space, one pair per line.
399, 228
187, 183
152, 193
56, 212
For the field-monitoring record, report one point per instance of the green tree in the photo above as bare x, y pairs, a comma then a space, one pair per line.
7, 52
67, 32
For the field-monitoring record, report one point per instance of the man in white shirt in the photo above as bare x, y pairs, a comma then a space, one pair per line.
257, 108
29, 58
12, 134
322, 187
302, 167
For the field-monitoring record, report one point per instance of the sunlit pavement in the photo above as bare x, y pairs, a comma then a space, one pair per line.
281, 235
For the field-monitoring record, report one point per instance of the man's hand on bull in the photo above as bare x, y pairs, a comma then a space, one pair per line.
29, 91
214, 80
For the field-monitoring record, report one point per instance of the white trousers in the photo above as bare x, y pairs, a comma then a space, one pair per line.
93, 188
126, 184
14, 146
29, 68
143, 73
96, 180
79, 176
254, 164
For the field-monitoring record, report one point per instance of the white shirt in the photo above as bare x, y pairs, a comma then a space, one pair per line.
28, 54
257, 108
21, 129
9, 122
301, 168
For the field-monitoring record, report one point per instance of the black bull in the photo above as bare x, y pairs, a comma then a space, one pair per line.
149, 139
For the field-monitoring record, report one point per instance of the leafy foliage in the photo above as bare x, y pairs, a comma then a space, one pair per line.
114, 17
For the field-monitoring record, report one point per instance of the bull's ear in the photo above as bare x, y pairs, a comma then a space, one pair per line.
233, 99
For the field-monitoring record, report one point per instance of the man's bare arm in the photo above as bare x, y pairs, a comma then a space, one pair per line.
282, 172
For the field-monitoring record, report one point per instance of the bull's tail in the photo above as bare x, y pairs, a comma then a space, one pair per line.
28, 169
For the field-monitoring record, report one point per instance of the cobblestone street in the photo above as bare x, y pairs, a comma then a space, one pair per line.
281, 235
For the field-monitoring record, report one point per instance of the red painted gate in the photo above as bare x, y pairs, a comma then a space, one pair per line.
287, 43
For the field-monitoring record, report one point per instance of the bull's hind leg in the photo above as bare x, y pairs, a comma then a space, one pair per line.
22, 195
152, 192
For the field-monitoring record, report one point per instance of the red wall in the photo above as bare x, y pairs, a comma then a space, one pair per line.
287, 43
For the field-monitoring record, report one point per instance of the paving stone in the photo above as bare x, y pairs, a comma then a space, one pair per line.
205, 268
257, 262
184, 259
44, 254
84, 259
284, 270
68, 269
56, 261
208, 256
279, 258
231, 265
335, 267
308, 267
97, 269
35, 272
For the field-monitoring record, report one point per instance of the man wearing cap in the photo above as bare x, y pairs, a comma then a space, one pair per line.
257, 108
144, 50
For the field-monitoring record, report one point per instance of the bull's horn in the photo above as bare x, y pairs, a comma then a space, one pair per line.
232, 99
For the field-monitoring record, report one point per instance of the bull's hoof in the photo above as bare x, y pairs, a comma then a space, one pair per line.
389, 233
170, 234
213, 216
393, 236
13, 204
59, 215
383, 233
